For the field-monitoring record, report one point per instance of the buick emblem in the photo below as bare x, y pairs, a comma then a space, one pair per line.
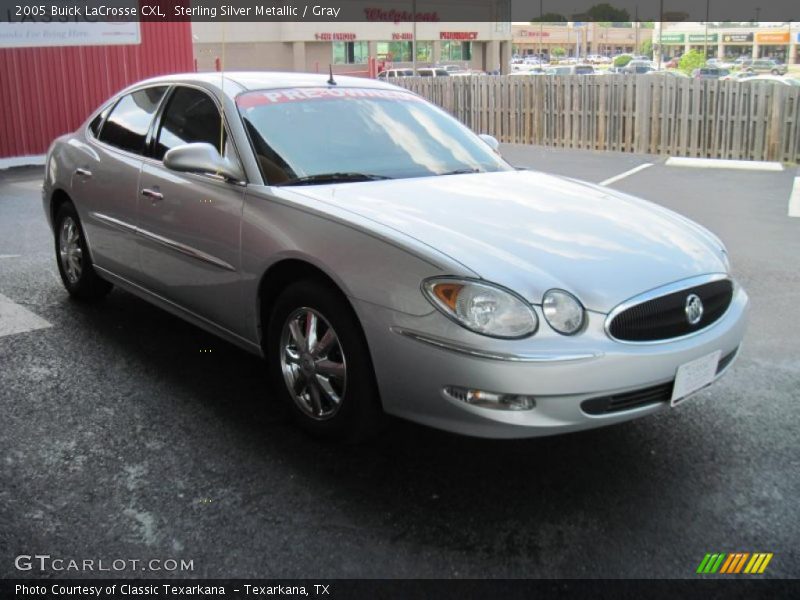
694, 309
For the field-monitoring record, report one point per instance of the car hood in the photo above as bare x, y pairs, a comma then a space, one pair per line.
531, 232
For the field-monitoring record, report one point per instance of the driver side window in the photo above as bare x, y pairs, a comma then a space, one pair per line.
191, 116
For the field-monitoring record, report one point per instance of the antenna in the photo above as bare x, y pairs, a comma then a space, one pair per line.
330, 79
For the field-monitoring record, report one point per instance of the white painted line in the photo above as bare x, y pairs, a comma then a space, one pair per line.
719, 163
22, 161
794, 199
9, 255
18, 319
626, 174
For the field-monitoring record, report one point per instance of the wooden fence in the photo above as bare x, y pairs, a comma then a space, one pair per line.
648, 114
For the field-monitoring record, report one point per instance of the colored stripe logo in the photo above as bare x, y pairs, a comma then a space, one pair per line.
735, 563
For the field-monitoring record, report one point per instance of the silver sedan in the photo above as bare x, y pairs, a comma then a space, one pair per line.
385, 259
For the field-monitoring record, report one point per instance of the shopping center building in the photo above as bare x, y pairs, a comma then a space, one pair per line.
765, 40
351, 47
579, 39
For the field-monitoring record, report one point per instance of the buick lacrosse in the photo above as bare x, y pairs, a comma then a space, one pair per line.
385, 259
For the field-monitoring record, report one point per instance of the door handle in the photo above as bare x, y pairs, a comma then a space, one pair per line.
83, 172
154, 195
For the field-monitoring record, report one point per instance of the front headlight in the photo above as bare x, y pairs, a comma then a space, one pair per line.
563, 311
482, 307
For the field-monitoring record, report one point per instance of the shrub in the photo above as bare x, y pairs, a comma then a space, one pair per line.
690, 61
622, 61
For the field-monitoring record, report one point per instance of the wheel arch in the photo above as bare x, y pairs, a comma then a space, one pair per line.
285, 272
58, 198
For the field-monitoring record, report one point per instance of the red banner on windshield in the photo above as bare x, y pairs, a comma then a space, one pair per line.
283, 96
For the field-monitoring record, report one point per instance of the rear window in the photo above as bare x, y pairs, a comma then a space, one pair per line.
584, 70
97, 122
127, 125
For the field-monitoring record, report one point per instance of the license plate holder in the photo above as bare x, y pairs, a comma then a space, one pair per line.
693, 376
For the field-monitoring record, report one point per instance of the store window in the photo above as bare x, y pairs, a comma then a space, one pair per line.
394, 51
425, 51
350, 53
456, 50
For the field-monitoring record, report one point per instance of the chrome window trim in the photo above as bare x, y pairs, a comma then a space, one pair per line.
167, 242
670, 288
492, 355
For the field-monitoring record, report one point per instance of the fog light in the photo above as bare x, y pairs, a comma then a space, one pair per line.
491, 399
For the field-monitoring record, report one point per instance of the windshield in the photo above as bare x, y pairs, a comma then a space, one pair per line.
306, 132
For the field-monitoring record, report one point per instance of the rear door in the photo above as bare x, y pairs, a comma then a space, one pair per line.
107, 181
189, 223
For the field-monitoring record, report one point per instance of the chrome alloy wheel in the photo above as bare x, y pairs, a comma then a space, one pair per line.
313, 363
69, 250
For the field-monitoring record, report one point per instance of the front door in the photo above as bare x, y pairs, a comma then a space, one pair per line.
189, 224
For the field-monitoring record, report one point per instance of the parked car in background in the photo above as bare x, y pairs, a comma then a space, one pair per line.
709, 73
742, 62
672, 63
598, 59
668, 74
395, 73
459, 71
639, 67
738, 76
718, 63
774, 79
528, 72
766, 65
383, 258
571, 70
433, 72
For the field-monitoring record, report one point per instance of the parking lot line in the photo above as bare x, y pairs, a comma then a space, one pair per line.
18, 319
616, 178
794, 199
720, 163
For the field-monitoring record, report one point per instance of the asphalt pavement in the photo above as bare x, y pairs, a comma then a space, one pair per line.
126, 433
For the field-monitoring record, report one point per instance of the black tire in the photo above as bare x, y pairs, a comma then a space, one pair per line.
776, 72
358, 416
87, 285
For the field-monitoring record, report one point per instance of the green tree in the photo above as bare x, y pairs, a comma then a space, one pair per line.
550, 18
603, 12
622, 60
558, 52
646, 48
690, 61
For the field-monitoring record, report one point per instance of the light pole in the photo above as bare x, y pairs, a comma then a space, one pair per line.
414, 36
705, 37
660, 30
541, 31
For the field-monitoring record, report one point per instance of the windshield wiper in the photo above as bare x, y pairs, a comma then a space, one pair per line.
333, 178
463, 171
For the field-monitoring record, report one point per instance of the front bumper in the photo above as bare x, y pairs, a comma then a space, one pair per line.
416, 358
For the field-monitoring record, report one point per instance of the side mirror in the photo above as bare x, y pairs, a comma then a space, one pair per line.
491, 141
202, 158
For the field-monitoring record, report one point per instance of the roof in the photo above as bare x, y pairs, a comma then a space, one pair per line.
236, 82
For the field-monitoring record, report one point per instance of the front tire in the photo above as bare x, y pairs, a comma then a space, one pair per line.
72, 256
320, 363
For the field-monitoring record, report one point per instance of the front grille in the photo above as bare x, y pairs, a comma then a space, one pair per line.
664, 318
638, 398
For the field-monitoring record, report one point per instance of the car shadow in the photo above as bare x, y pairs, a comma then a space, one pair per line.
412, 483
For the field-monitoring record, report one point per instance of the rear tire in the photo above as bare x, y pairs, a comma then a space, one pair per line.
320, 364
72, 257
